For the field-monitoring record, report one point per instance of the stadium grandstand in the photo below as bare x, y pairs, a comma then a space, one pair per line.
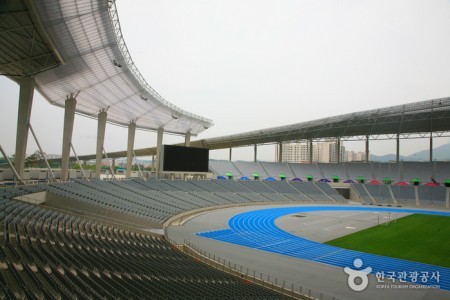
186, 234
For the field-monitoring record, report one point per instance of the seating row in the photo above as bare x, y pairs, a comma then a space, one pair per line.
402, 171
46, 254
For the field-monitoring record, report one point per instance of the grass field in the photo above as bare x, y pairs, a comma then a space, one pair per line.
421, 238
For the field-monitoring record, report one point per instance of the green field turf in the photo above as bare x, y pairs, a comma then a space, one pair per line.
421, 238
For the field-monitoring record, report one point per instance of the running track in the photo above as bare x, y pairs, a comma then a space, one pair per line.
257, 230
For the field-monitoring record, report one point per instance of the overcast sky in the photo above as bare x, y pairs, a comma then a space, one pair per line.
252, 64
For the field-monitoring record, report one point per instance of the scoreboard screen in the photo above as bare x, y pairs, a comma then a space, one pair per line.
184, 159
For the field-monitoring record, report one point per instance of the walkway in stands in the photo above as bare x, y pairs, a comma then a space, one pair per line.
257, 230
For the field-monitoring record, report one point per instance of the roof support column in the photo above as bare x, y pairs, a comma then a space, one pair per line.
338, 151
69, 118
397, 153
255, 152
431, 146
230, 154
187, 139
130, 147
23, 119
153, 164
280, 152
101, 128
159, 141
367, 149
310, 151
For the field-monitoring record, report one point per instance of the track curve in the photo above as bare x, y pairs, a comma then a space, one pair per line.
257, 229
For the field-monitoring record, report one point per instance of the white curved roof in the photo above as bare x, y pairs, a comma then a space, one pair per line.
97, 66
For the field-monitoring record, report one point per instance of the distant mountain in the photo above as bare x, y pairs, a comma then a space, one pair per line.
385, 158
441, 153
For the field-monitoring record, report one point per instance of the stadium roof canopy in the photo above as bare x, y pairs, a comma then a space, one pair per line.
414, 118
77, 49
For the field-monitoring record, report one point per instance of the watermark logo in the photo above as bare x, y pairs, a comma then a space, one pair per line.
358, 279
418, 279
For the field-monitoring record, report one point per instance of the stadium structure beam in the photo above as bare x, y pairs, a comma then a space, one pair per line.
153, 163
159, 141
230, 154
69, 118
42, 151
110, 163
311, 151
367, 149
79, 162
187, 139
101, 128
397, 151
280, 152
255, 152
26, 93
11, 165
431, 146
139, 167
130, 148
338, 150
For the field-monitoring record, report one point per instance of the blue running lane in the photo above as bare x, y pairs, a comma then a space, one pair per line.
256, 229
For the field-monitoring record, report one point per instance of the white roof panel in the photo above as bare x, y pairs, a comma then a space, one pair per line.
98, 67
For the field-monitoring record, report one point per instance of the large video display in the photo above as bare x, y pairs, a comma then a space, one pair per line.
185, 159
